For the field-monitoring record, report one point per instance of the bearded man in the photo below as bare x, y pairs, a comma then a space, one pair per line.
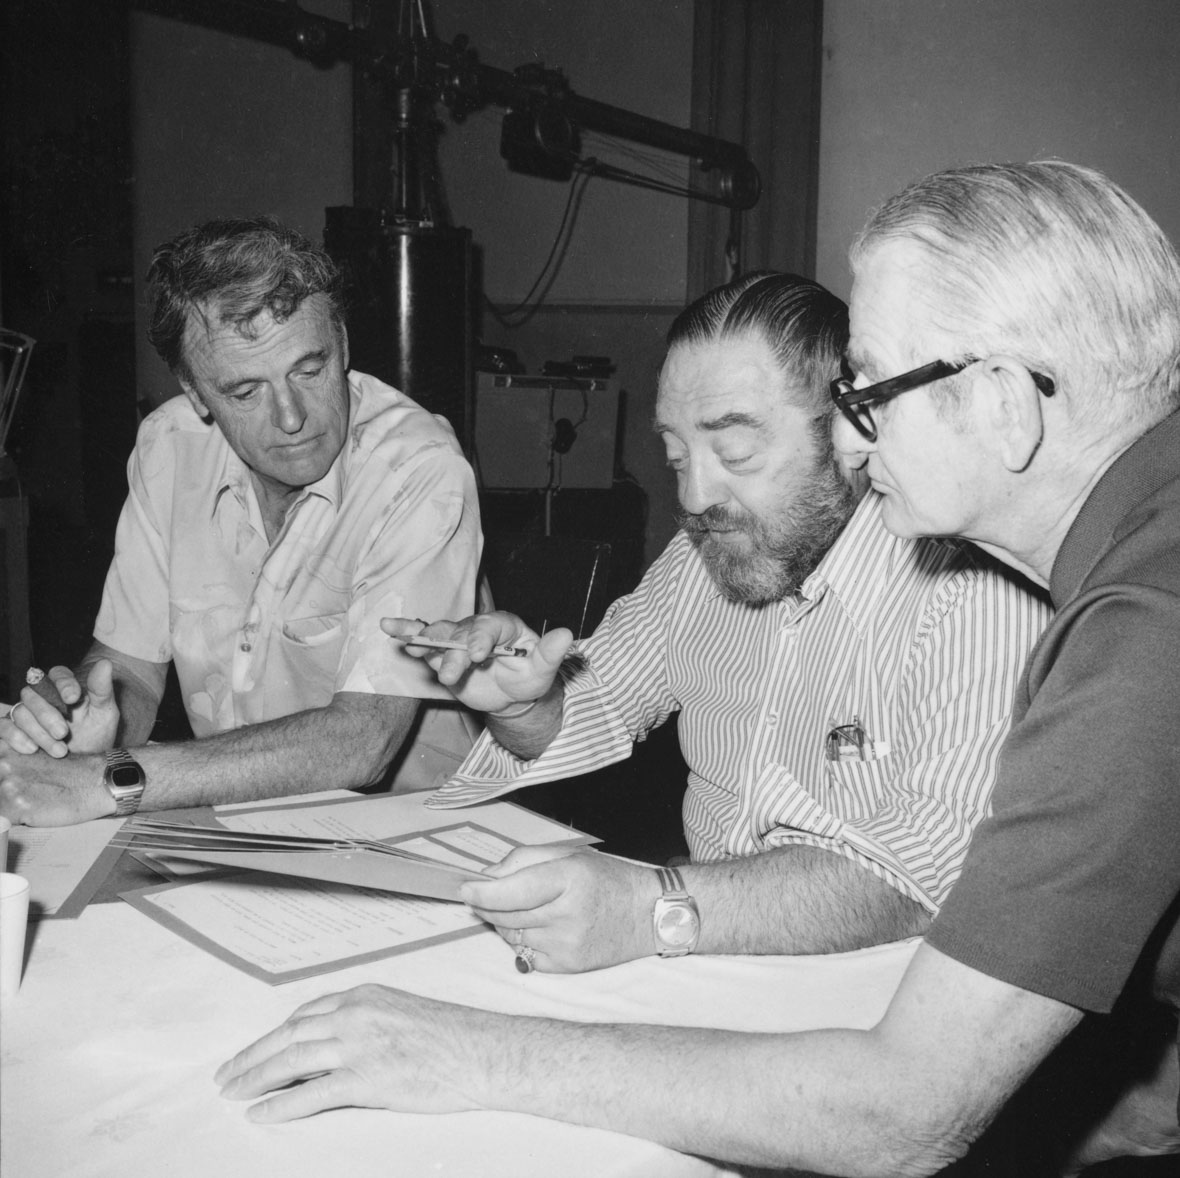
842, 693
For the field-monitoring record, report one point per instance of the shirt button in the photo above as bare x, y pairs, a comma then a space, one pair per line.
245, 647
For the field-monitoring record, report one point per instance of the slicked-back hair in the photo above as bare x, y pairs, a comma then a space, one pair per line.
1055, 265
227, 272
805, 326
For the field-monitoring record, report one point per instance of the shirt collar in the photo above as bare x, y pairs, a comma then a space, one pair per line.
1148, 464
852, 568
857, 563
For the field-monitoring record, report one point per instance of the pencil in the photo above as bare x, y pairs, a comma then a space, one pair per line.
446, 644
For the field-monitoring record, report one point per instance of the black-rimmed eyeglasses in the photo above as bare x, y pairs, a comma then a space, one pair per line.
857, 404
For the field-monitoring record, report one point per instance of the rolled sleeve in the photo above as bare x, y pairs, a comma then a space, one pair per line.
592, 736
134, 614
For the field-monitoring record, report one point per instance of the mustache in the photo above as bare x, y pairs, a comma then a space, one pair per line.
715, 519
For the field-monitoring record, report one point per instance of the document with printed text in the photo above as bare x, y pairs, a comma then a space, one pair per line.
305, 913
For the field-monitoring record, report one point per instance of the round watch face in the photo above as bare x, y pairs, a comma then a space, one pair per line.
677, 925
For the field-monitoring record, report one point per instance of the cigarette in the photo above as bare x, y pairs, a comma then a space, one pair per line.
518, 652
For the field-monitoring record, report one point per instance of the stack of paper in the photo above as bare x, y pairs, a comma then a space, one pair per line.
299, 887
359, 862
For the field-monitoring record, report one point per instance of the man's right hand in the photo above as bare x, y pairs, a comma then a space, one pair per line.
59, 717
498, 683
576, 909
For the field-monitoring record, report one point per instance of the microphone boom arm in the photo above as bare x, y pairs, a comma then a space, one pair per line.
454, 75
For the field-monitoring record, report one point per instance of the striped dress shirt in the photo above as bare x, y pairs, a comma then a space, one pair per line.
917, 645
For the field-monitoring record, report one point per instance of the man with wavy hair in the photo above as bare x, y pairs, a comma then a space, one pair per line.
275, 511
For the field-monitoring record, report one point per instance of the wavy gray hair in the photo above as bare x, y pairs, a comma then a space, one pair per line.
232, 270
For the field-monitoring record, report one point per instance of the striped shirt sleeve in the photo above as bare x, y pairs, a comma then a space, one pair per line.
603, 715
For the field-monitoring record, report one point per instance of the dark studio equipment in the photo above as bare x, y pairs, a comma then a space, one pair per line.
408, 288
409, 273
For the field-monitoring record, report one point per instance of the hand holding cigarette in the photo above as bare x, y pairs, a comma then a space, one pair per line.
492, 663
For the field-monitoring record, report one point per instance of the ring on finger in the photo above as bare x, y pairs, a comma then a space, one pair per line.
20, 703
526, 959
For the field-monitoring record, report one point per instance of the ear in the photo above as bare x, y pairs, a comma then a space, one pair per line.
1013, 411
344, 345
194, 399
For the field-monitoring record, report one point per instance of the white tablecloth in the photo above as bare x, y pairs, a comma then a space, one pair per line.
110, 1047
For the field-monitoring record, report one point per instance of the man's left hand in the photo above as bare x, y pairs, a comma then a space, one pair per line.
369, 1047
577, 910
59, 716
39, 790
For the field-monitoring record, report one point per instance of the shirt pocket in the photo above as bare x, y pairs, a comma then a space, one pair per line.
311, 649
315, 631
856, 788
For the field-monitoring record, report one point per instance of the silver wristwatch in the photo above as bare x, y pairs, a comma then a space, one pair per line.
124, 778
675, 919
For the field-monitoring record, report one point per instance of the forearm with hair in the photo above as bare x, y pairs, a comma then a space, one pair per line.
798, 899
349, 743
530, 735
768, 1100
906, 1097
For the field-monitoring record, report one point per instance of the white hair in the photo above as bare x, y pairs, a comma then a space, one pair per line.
1055, 265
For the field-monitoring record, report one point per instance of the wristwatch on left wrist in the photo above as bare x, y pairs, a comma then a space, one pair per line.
675, 918
125, 779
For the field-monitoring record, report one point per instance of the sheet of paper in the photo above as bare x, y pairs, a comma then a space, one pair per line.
64, 864
432, 863
280, 929
384, 816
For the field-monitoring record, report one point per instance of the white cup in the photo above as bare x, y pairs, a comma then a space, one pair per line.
14, 918
5, 827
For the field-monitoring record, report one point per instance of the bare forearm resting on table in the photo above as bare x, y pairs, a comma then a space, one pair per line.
346, 744
904, 1098
798, 899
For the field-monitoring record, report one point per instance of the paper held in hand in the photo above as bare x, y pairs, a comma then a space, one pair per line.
366, 863
301, 888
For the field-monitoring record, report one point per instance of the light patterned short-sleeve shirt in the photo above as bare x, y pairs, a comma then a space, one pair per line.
912, 647
257, 630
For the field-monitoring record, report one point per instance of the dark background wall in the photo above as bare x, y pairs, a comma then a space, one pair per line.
66, 279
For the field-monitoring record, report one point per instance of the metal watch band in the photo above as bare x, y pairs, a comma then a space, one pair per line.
682, 908
126, 797
672, 883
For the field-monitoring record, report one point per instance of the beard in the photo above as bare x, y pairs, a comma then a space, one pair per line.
784, 549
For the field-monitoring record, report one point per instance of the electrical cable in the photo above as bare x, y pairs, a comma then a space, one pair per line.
672, 167
524, 310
